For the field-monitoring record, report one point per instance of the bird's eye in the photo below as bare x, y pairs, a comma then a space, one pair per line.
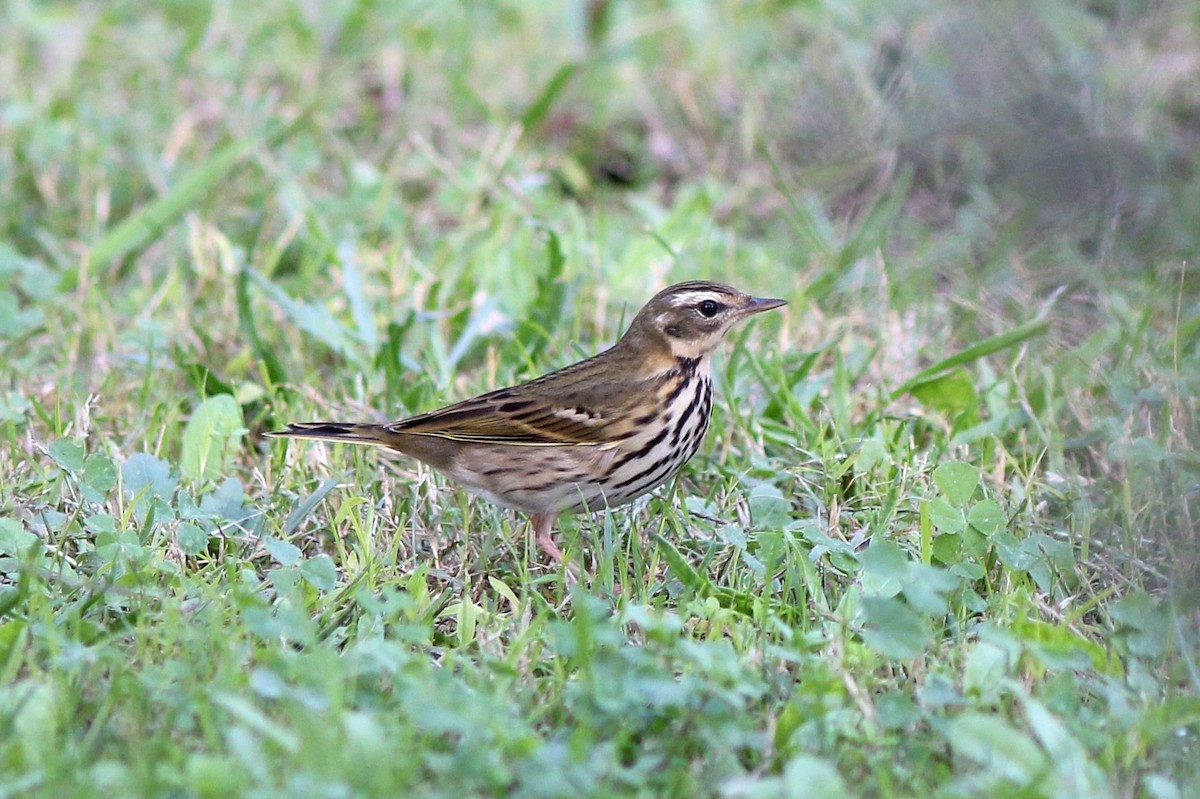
708, 308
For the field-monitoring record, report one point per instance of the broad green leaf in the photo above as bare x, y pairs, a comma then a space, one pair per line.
319, 572
1077, 773
769, 509
885, 567
120, 545
1013, 552
284, 578
987, 517
14, 538
68, 454
952, 393
1136, 609
191, 539
210, 438
1143, 624
680, 568
14, 407
997, 746
870, 453
958, 481
100, 523
1058, 553
99, 472
15, 320
1050, 730
885, 558
813, 778
897, 710
143, 471
467, 613
226, 502
986, 667
284, 552
926, 587
35, 723
1058, 646
946, 517
893, 628
947, 548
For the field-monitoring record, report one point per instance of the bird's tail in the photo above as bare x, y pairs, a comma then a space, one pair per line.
346, 432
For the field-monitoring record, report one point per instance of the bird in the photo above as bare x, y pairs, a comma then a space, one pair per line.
597, 433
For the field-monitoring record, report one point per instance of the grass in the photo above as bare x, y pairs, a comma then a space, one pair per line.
941, 537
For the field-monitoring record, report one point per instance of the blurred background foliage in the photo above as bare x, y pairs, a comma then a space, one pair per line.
1060, 125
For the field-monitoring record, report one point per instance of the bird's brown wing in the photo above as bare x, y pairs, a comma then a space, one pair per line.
553, 410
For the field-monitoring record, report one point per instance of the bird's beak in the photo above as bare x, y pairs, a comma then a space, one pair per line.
760, 304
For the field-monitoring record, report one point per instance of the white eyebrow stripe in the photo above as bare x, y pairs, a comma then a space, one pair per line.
693, 297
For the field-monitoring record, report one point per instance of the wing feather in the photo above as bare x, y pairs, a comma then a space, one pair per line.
541, 412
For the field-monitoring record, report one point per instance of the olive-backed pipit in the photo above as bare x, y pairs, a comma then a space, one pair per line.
595, 434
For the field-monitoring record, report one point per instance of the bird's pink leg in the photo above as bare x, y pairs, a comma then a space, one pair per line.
542, 524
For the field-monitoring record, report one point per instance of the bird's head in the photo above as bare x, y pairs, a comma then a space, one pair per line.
690, 319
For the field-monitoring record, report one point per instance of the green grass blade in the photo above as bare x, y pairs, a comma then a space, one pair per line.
540, 107
148, 222
360, 306
306, 505
984, 348
275, 370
